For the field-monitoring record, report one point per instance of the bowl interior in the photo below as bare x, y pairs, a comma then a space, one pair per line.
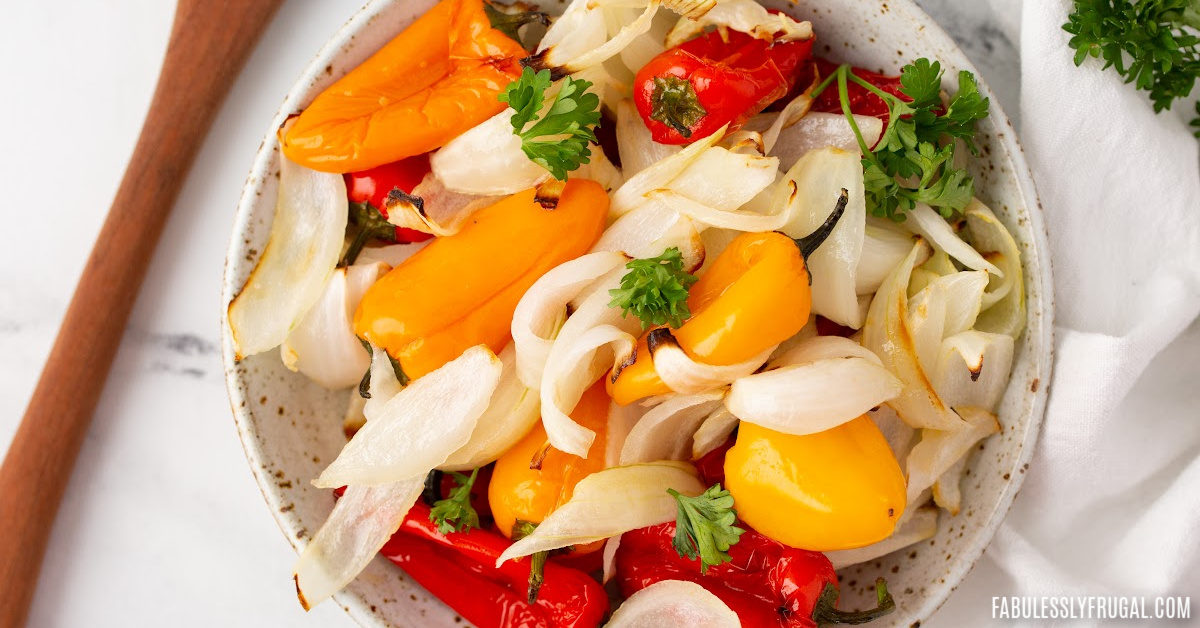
291, 428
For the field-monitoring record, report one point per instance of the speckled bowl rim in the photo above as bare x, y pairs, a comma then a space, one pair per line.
369, 616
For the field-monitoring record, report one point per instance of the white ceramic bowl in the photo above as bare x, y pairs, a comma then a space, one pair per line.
291, 428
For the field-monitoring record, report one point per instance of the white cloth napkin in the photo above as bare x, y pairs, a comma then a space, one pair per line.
1111, 502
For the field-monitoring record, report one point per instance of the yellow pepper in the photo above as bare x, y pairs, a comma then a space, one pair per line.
519, 492
837, 489
755, 295
461, 290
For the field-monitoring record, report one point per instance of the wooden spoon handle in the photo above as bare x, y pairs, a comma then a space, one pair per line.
209, 43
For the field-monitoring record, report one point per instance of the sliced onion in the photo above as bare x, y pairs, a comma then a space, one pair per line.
947, 491
1004, 301
715, 240
938, 450
434, 208
651, 229
306, 241
323, 346
392, 254
542, 309
665, 432
621, 420
973, 369
817, 348
811, 398
487, 160
511, 412
820, 130
601, 170
354, 418
610, 558
901, 437
638, 150
644, 47
403, 440
611, 502
930, 225
671, 604
383, 383
888, 335
684, 375
572, 371
361, 523
713, 432
884, 247
723, 179
571, 42
747, 221
819, 177
744, 16
920, 527
659, 174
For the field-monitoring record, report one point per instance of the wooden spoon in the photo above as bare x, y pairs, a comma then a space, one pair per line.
209, 43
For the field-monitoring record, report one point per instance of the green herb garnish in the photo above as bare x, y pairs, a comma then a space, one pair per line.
1145, 41
655, 290
455, 513
558, 141
704, 526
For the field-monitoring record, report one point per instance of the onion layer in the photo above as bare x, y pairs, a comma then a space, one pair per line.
921, 526
1004, 301
511, 412
671, 604
941, 449
684, 375
665, 432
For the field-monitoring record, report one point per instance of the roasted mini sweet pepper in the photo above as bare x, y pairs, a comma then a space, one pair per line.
766, 583
368, 193
532, 479
462, 289
460, 569
755, 295
833, 490
436, 79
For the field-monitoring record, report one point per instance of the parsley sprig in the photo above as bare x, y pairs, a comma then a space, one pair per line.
559, 141
1145, 41
655, 290
913, 161
455, 513
704, 526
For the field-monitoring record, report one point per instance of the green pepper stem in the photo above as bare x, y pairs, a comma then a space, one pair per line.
356, 247
826, 611
537, 574
811, 242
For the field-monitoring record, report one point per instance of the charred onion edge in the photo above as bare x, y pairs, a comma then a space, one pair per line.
400, 198
548, 193
621, 365
661, 337
537, 62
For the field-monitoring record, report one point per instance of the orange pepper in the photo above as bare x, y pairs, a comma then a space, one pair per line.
755, 295
520, 493
462, 289
436, 79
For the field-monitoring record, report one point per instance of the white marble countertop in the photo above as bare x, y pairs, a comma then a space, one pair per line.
162, 521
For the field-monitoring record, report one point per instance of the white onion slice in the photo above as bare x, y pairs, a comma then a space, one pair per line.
572, 371
579, 38
671, 604
487, 160
820, 130
938, 450
665, 432
744, 16
651, 229
383, 384
929, 224
817, 348
901, 437
820, 176
306, 240
434, 208
713, 432
1004, 301
610, 558
638, 150
540, 311
884, 247
621, 421
511, 412
659, 174
947, 491
418, 428
973, 369
736, 220
684, 375
715, 240
361, 523
611, 502
723, 179
920, 527
888, 335
813, 397
601, 170
323, 346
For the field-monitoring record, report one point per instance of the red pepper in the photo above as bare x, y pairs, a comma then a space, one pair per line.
862, 102
368, 190
766, 583
695, 88
459, 568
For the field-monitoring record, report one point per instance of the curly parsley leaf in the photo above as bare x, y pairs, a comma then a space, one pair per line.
1144, 41
704, 526
455, 513
655, 290
559, 140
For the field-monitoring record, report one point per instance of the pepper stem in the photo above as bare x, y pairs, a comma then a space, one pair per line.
537, 574
826, 611
811, 242
356, 247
